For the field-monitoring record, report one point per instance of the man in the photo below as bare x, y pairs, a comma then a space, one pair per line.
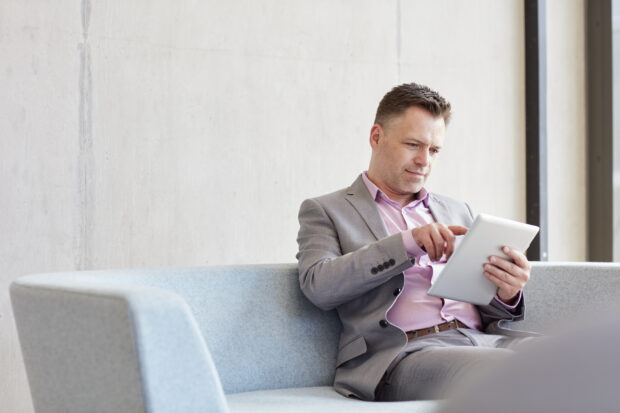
371, 251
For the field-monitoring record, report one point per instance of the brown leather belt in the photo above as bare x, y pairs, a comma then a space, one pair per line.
448, 325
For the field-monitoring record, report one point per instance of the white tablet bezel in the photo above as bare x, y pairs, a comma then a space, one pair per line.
462, 278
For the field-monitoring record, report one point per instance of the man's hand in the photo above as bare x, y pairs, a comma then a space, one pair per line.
437, 239
510, 277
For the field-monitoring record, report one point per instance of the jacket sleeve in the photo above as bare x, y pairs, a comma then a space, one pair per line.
494, 312
329, 277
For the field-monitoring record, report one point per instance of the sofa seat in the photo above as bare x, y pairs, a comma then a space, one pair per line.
323, 399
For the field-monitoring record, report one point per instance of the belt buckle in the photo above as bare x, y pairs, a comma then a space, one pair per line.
436, 329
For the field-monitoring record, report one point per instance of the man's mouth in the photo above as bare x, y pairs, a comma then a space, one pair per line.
417, 173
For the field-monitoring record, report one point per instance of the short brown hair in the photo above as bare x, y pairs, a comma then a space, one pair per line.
402, 97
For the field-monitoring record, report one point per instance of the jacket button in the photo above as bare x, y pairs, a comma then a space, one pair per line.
383, 323
380, 267
392, 262
374, 270
387, 264
397, 291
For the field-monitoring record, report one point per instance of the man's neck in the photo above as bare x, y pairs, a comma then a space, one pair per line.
402, 199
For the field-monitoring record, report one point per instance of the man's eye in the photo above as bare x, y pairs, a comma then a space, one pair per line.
413, 145
435, 151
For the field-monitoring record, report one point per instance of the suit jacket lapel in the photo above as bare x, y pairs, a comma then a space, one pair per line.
360, 198
438, 209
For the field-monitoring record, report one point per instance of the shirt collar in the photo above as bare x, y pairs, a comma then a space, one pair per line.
375, 193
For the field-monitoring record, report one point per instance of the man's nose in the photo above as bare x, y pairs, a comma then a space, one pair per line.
422, 158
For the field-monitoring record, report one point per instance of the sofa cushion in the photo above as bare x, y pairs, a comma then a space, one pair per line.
317, 399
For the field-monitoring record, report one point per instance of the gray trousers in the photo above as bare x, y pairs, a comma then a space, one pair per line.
431, 366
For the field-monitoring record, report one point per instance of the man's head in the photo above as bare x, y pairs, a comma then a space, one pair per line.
408, 133
402, 97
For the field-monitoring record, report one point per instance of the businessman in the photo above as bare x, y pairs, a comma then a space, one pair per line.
371, 251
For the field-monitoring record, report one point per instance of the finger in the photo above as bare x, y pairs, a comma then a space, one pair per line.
511, 280
508, 266
419, 236
427, 244
430, 246
519, 258
458, 229
499, 282
449, 238
438, 242
502, 286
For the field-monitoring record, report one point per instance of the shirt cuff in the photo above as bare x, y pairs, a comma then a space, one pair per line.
413, 249
510, 307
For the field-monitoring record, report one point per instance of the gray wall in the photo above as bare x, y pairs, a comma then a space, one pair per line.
160, 133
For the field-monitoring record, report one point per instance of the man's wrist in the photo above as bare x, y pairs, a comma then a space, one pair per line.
512, 303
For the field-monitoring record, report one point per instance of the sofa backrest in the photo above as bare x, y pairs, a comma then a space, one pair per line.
260, 329
558, 293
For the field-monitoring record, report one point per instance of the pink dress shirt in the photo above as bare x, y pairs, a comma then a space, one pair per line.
414, 308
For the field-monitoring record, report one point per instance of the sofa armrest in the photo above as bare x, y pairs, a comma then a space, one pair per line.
110, 347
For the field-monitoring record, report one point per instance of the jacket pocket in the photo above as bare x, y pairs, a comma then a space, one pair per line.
355, 348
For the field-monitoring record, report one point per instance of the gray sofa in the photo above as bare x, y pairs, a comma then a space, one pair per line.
218, 339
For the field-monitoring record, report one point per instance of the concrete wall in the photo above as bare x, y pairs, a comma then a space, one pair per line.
187, 133
473, 53
40, 211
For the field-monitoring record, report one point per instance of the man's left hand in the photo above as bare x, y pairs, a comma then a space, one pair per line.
510, 277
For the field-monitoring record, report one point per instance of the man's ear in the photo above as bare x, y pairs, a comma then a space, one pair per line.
376, 134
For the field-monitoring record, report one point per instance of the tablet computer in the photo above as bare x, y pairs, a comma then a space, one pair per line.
462, 278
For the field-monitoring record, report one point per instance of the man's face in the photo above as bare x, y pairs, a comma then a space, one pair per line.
403, 152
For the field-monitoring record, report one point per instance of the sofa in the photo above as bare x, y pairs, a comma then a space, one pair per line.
239, 338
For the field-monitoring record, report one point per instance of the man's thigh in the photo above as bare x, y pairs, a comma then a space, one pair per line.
432, 372
480, 339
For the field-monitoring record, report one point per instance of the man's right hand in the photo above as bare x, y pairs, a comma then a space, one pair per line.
437, 239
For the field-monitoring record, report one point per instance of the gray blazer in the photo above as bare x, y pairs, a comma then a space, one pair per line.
348, 261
